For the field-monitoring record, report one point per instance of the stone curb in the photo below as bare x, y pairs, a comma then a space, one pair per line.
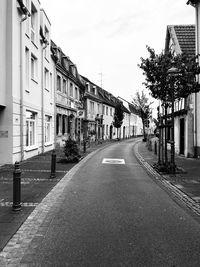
188, 201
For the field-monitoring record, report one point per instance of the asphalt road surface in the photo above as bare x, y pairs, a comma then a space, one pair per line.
114, 214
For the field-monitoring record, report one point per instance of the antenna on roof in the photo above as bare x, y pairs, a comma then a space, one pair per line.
101, 79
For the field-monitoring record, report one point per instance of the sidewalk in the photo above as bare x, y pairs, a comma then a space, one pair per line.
35, 185
187, 180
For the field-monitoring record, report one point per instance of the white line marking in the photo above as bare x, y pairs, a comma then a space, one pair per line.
113, 161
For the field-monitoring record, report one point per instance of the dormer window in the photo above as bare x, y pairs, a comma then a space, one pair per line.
94, 90
88, 87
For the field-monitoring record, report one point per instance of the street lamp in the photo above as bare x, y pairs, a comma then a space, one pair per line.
173, 71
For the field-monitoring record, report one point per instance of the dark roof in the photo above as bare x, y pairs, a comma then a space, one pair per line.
183, 37
186, 38
192, 2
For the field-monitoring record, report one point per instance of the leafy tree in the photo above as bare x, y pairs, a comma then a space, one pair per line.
158, 80
142, 104
118, 117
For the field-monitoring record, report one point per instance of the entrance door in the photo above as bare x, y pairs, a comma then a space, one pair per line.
182, 135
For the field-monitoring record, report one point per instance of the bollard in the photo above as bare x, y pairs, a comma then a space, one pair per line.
84, 146
16, 188
155, 148
53, 164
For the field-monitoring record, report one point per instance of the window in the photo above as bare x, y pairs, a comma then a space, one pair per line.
71, 89
94, 90
64, 86
46, 51
58, 83
27, 68
51, 85
46, 79
33, 67
88, 87
91, 107
76, 93
98, 108
107, 129
110, 111
47, 132
33, 23
106, 110
27, 20
30, 128
103, 110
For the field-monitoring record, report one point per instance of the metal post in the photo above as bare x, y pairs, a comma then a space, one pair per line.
53, 164
155, 148
84, 145
172, 141
166, 156
159, 139
16, 188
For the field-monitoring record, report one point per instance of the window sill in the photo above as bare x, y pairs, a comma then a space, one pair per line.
27, 35
34, 80
29, 148
47, 59
34, 44
48, 144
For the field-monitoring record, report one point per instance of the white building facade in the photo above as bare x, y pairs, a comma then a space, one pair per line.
27, 87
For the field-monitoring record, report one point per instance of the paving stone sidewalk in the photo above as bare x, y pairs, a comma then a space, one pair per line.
35, 185
187, 180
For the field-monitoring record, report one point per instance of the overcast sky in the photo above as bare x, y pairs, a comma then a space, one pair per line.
110, 36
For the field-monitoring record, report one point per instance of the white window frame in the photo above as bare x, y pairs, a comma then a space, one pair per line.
46, 79
59, 88
71, 89
47, 49
27, 70
47, 130
76, 92
91, 107
31, 140
34, 15
64, 89
33, 67
51, 85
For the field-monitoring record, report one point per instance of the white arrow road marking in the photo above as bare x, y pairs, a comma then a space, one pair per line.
113, 161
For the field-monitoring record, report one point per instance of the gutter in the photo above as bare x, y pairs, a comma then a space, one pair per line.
22, 87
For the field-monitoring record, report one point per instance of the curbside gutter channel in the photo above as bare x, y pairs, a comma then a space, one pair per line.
188, 201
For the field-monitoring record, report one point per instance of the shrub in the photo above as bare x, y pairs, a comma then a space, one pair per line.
71, 150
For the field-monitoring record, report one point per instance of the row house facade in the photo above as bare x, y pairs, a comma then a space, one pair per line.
99, 114
26, 81
134, 126
181, 39
68, 97
196, 97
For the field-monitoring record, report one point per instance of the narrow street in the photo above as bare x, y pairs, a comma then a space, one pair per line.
111, 213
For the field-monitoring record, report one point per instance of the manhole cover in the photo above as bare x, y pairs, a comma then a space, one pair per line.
113, 161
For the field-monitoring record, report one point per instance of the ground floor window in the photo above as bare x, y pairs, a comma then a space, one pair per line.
30, 128
47, 133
